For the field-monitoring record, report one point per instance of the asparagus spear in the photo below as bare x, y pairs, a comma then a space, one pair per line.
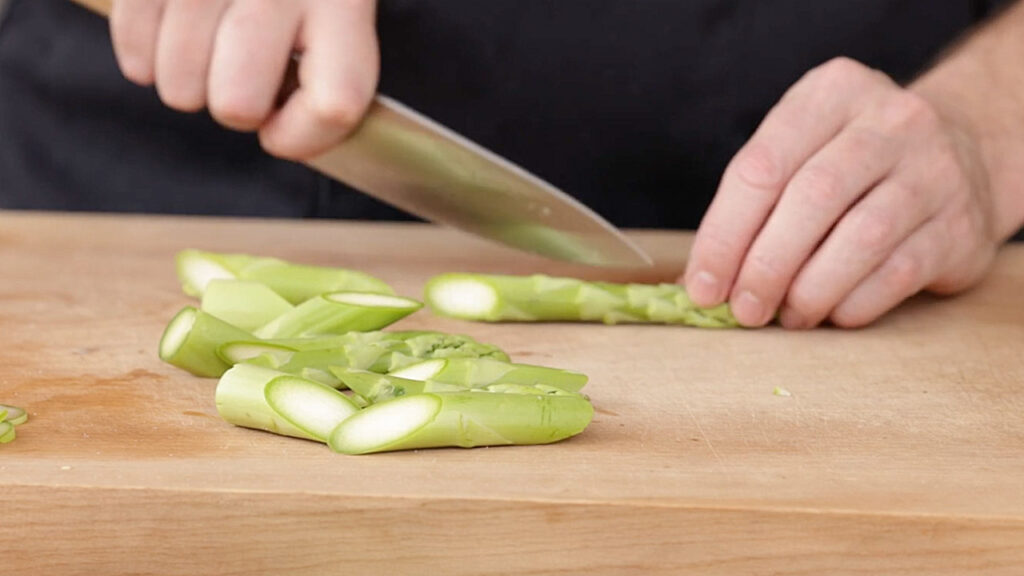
296, 283
465, 419
339, 313
7, 433
16, 416
191, 341
496, 298
477, 372
266, 399
243, 303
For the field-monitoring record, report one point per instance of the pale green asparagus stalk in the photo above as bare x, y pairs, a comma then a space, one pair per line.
339, 313
539, 298
266, 399
191, 341
243, 303
477, 372
7, 433
296, 283
464, 419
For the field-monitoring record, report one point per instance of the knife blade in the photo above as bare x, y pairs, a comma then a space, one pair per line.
417, 165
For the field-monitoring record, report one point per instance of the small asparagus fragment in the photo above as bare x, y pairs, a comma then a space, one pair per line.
296, 283
311, 406
376, 388
243, 303
192, 339
16, 416
241, 399
477, 372
539, 298
7, 433
465, 419
339, 313
246, 350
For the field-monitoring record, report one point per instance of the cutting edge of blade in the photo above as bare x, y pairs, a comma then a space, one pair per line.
637, 256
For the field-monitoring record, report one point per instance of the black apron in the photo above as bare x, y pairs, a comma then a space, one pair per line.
633, 107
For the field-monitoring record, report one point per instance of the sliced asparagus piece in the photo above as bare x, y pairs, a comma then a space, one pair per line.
497, 298
243, 303
311, 406
7, 433
465, 419
16, 416
376, 388
294, 282
339, 313
246, 350
241, 399
477, 372
413, 343
192, 339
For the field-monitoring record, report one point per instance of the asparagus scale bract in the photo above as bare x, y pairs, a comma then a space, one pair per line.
464, 419
296, 283
539, 298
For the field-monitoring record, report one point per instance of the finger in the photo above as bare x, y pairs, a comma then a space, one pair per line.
860, 242
183, 51
810, 114
815, 198
904, 273
337, 79
252, 49
134, 27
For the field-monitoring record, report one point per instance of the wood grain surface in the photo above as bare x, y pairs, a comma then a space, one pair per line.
900, 450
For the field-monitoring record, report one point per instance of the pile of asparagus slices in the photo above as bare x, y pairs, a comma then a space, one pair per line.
10, 417
302, 351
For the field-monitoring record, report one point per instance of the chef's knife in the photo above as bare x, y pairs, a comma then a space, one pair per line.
406, 160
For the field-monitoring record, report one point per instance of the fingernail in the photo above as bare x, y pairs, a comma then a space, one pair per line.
704, 288
748, 309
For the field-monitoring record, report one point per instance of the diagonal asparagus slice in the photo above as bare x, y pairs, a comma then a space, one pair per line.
339, 313
16, 416
192, 339
539, 298
7, 433
465, 419
296, 283
310, 406
241, 399
477, 372
243, 303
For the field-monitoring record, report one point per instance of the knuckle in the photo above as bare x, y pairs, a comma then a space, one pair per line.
874, 230
759, 167
339, 109
820, 186
909, 109
841, 71
236, 110
764, 271
903, 274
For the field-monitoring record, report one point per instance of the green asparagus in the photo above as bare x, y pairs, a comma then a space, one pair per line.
296, 283
482, 371
339, 313
192, 339
464, 419
498, 298
243, 303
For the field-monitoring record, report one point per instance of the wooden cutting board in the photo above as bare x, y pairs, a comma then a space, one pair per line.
900, 450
